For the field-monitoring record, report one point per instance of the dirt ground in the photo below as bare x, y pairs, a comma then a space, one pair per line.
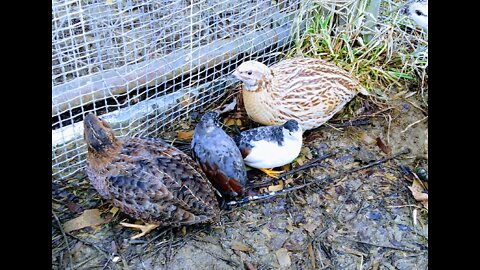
363, 220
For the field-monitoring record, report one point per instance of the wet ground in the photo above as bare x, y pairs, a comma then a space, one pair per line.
362, 220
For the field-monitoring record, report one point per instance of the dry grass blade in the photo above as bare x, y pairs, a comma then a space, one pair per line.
365, 38
383, 246
90, 217
60, 227
414, 123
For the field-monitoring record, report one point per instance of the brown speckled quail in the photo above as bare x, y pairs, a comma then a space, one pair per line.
308, 90
147, 178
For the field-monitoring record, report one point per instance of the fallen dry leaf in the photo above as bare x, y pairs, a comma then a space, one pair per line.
306, 152
240, 246
390, 176
304, 156
417, 189
185, 135
278, 187
300, 160
88, 218
233, 121
229, 121
283, 257
114, 211
383, 146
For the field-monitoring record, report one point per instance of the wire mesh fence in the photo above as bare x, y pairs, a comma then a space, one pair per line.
144, 65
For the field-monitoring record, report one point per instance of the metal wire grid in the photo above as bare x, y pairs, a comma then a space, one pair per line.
95, 41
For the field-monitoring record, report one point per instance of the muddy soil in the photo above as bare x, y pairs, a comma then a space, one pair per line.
364, 220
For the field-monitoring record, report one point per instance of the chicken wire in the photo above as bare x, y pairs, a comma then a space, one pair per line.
145, 65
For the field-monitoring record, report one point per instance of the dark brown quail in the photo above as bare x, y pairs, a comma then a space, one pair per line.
147, 178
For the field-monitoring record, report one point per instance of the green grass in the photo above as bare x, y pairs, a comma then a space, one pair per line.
395, 55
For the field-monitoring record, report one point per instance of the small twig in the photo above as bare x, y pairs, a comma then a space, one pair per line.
234, 92
78, 265
331, 126
351, 123
60, 227
311, 163
124, 260
382, 246
388, 130
179, 244
89, 243
216, 256
338, 182
108, 261
155, 237
414, 123
159, 245
406, 205
418, 107
316, 181
168, 255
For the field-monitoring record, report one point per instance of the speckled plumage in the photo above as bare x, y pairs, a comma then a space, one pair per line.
270, 146
417, 10
309, 90
218, 155
267, 133
147, 178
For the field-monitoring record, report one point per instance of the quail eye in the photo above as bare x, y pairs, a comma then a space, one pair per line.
249, 72
418, 12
